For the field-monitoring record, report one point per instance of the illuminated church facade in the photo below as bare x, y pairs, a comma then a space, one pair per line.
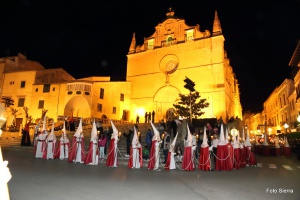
154, 79
158, 67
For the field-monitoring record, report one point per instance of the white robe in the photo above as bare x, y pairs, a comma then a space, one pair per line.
95, 157
79, 149
157, 156
64, 148
50, 143
40, 139
136, 156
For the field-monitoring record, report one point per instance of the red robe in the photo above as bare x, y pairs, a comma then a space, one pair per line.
152, 161
237, 158
204, 159
73, 152
130, 162
57, 151
187, 162
223, 160
89, 155
112, 154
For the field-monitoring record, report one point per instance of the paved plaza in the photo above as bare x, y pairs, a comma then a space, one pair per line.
58, 179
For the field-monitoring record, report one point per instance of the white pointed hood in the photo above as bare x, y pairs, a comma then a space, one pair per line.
247, 141
226, 135
94, 132
204, 143
190, 137
172, 148
222, 138
286, 143
79, 129
156, 132
64, 133
52, 135
135, 139
115, 133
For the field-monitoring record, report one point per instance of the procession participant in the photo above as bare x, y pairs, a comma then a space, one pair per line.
170, 164
153, 163
50, 145
187, 161
36, 132
135, 159
204, 158
250, 157
112, 157
25, 141
77, 147
62, 151
92, 157
40, 141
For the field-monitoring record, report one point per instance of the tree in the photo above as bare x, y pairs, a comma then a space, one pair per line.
182, 108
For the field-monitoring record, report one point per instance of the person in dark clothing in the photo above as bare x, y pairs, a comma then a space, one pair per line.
137, 119
128, 141
174, 127
166, 145
25, 141
146, 117
153, 116
109, 132
149, 117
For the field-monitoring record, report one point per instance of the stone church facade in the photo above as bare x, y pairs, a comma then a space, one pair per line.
157, 68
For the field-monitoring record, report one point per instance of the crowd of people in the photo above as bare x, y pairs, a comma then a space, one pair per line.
204, 149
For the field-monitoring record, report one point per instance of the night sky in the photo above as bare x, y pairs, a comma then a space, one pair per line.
92, 38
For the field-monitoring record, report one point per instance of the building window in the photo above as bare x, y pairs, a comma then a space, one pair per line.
21, 102
53, 89
23, 84
12, 82
122, 97
99, 107
284, 103
151, 44
114, 110
101, 93
36, 89
46, 88
41, 104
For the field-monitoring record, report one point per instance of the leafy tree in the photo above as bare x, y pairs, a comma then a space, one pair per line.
182, 108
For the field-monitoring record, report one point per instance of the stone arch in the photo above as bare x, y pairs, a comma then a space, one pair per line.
80, 105
163, 100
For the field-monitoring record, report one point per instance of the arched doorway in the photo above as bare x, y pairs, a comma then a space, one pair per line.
125, 115
80, 107
163, 100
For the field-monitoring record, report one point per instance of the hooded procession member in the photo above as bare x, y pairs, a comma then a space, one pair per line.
187, 161
25, 141
41, 141
223, 161
250, 157
153, 163
50, 145
112, 157
135, 159
92, 157
171, 164
77, 148
204, 158
62, 151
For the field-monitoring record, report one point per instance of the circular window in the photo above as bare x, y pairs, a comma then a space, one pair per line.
70, 92
169, 64
78, 92
87, 93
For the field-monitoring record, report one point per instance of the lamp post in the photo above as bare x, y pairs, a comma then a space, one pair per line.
4, 171
286, 126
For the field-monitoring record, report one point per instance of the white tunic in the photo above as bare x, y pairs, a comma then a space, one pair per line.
40, 144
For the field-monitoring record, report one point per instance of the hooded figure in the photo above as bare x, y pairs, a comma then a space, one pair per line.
92, 157
171, 164
223, 161
153, 163
112, 157
286, 148
250, 157
77, 148
41, 141
237, 152
63, 147
50, 145
135, 159
204, 158
187, 161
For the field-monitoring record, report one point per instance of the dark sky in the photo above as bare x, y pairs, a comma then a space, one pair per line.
92, 38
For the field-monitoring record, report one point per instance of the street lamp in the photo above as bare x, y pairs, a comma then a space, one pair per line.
286, 126
4, 171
